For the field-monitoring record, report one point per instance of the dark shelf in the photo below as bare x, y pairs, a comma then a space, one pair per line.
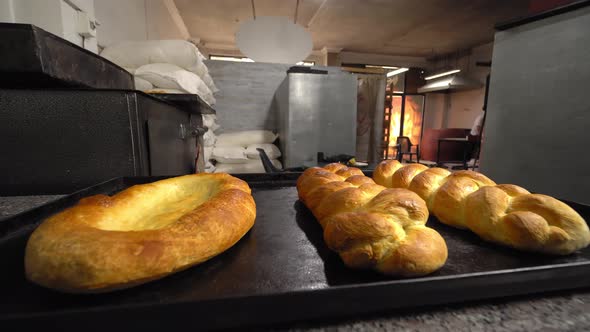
188, 102
31, 57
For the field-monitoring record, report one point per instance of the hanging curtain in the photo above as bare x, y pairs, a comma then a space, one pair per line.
370, 108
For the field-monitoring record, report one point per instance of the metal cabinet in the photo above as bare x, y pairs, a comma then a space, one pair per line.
316, 113
58, 141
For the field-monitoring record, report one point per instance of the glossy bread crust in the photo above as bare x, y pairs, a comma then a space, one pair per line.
505, 214
143, 233
369, 226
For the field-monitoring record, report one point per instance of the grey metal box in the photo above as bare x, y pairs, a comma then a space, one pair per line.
316, 113
58, 141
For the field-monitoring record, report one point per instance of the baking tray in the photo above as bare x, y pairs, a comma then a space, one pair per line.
281, 271
190, 102
31, 57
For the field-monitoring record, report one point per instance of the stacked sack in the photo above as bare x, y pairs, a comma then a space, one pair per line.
237, 152
209, 139
164, 66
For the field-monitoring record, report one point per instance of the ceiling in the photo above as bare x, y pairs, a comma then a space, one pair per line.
425, 28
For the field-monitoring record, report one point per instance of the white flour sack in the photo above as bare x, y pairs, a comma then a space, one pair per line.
229, 154
169, 76
245, 138
134, 54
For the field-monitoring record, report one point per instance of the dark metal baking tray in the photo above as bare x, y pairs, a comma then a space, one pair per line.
31, 57
281, 271
189, 102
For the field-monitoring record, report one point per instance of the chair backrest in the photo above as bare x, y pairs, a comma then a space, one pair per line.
404, 143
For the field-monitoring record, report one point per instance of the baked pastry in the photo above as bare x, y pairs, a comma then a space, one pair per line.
143, 233
505, 214
371, 226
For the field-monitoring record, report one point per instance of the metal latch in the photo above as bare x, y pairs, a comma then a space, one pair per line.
188, 131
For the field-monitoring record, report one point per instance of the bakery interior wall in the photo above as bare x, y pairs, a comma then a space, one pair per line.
138, 20
56, 16
460, 108
118, 20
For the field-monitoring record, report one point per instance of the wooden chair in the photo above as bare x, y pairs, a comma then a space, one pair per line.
404, 147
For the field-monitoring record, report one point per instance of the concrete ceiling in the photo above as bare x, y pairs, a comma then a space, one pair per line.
425, 28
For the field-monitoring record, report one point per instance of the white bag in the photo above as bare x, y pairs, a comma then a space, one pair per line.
169, 76
209, 138
252, 166
230, 154
134, 54
209, 99
141, 84
207, 153
209, 82
245, 138
210, 121
201, 69
272, 151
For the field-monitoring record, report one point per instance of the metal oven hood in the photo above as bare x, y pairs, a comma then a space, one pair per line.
455, 82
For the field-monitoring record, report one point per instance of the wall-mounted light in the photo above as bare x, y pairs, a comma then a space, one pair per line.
442, 74
397, 71
383, 67
230, 58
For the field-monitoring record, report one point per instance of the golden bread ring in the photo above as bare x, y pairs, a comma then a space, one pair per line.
141, 234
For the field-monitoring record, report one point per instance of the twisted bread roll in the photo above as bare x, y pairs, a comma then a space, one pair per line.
369, 225
504, 214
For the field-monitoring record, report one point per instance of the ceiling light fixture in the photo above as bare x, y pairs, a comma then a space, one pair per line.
442, 74
397, 71
383, 67
230, 58
274, 39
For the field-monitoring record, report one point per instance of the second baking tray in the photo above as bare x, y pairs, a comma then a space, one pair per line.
281, 271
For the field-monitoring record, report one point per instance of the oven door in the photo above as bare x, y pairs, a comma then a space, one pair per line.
172, 148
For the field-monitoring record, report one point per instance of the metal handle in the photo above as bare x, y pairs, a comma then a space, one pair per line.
268, 166
191, 131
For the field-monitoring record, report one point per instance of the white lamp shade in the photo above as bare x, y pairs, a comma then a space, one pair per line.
274, 39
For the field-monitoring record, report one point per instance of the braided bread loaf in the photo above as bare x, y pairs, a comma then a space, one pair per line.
369, 225
505, 214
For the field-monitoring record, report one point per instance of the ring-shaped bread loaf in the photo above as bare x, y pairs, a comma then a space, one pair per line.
371, 226
143, 233
505, 214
